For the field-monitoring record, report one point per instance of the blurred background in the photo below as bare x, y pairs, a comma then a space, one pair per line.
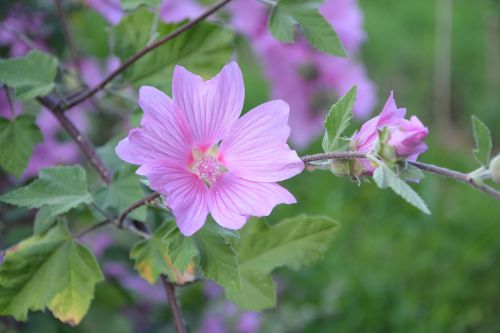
390, 268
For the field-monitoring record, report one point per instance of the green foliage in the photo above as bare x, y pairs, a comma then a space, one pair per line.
287, 14
18, 138
124, 190
182, 250
90, 33
293, 242
133, 4
31, 76
44, 220
385, 177
482, 138
204, 49
50, 270
152, 259
218, 258
60, 188
337, 121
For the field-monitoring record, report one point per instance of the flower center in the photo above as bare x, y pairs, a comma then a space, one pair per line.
207, 168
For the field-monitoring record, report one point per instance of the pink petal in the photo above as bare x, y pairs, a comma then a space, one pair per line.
186, 194
255, 147
232, 199
212, 106
164, 132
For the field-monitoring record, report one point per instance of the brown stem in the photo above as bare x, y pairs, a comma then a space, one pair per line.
134, 206
174, 306
91, 92
451, 174
85, 146
66, 32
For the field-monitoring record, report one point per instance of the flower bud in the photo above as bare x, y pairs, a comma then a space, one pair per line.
400, 135
495, 169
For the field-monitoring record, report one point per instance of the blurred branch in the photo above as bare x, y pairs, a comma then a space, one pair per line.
66, 32
85, 146
451, 174
442, 67
172, 300
62, 106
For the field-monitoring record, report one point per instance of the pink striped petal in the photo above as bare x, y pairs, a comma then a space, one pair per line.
255, 147
232, 199
164, 133
212, 106
186, 194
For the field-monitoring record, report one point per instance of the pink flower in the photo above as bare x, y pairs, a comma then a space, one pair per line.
195, 150
406, 136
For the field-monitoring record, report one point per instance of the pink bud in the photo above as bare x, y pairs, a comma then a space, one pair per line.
406, 136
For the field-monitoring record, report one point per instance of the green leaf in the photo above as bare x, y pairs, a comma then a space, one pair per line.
31, 76
287, 14
133, 4
60, 188
52, 271
18, 138
204, 49
411, 173
293, 242
153, 259
182, 249
337, 121
482, 138
385, 177
44, 220
89, 32
219, 261
124, 190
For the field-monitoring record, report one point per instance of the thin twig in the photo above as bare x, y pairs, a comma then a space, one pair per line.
174, 306
451, 174
85, 146
461, 177
66, 32
91, 92
134, 206
93, 227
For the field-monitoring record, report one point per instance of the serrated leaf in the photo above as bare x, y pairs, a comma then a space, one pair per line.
152, 259
60, 188
287, 14
204, 49
124, 190
52, 271
482, 138
385, 177
294, 243
31, 76
218, 259
18, 138
337, 121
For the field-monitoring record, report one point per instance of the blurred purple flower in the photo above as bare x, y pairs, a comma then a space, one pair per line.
249, 322
406, 136
19, 28
172, 11
111, 10
309, 80
133, 282
212, 324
